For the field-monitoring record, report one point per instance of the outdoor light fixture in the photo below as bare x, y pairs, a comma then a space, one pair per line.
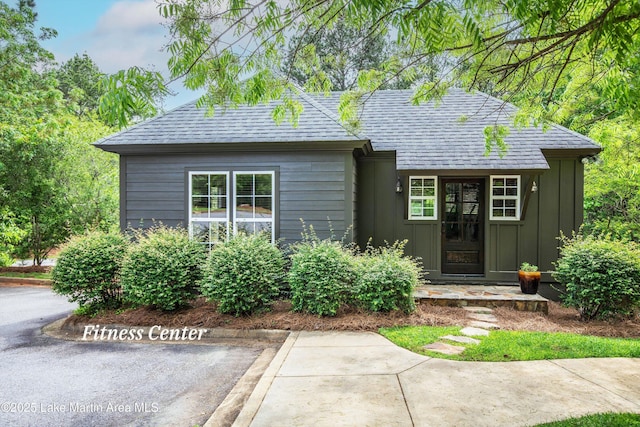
534, 187
398, 185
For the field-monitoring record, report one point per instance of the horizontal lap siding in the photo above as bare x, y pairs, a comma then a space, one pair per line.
310, 186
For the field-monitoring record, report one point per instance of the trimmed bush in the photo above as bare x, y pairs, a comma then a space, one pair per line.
87, 270
321, 277
601, 276
163, 269
244, 274
386, 279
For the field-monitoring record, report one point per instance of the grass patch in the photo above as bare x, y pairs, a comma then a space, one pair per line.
507, 346
598, 420
26, 275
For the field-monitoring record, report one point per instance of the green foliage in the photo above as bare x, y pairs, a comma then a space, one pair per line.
386, 279
53, 181
79, 80
528, 267
244, 274
322, 276
598, 420
130, 94
508, 346
87, 270
601, 276
10, 236
516, 48
332, 57
162, 269
612, 184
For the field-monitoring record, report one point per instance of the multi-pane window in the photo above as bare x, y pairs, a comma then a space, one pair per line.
505, 197
209, 206
212, 216
423, 197
253, 202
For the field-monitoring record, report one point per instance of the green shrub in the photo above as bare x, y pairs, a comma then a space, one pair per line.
601, 276
321, 276
386, 279
163, 269
244, 274
87, 270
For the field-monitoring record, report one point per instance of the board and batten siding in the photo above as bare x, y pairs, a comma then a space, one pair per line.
317, 187
556, 207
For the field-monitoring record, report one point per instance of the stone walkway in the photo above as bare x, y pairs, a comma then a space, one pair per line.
480, 322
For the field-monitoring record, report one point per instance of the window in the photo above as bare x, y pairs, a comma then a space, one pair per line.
212, 216
505, 197
253, 202
423, 197
209, 206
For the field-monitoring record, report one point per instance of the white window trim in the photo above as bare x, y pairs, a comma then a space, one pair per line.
237, 220
505, 197
208, 220
434, 197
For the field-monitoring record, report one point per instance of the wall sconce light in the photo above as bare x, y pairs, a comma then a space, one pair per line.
398, 185
534, 187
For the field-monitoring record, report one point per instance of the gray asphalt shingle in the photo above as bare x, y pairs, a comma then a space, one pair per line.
449, 135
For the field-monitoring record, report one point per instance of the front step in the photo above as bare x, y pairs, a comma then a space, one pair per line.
481, 296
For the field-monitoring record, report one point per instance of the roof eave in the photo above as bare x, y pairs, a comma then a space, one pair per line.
182, 148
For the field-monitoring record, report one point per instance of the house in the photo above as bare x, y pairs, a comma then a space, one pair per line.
413, 172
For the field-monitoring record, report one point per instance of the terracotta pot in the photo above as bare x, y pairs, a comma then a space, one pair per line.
529, 281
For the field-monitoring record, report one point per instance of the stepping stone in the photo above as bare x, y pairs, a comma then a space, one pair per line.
480, 310
463, 340
484, 325
474, 332
440, 347
482, 317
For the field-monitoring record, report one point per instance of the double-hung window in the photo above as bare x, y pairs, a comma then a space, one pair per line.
209, 212
253, 202
505, 197
423, 197
224, 202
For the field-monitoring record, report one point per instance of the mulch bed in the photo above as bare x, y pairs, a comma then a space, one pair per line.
27, 269
204, 314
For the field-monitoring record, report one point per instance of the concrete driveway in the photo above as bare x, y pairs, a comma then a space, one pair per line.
46, 381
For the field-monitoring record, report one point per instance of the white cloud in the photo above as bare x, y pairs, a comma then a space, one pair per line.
129, 16
128, 34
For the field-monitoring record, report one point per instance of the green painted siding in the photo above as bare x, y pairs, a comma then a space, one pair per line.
555, 207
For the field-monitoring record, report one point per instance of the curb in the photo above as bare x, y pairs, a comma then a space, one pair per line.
252, 405
175, 335
231, 406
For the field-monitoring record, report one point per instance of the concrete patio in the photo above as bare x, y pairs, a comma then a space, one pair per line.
361, 379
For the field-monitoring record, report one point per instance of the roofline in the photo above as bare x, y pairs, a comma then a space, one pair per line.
570, 152
182, 148
470, 172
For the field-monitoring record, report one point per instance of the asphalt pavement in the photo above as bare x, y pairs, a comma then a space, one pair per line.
48, 381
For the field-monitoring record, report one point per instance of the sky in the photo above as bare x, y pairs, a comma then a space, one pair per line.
116, 34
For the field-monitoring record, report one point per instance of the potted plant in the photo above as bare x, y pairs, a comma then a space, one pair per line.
529, 278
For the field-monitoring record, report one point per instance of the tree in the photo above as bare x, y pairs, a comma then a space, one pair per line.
498, 44
79, 80
49, 173
342, 51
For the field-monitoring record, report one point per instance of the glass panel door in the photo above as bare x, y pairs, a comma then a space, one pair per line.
462, 226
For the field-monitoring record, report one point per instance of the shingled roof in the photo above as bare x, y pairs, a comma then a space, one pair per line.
443, 136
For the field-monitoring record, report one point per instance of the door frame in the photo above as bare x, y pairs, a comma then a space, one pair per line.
482, 223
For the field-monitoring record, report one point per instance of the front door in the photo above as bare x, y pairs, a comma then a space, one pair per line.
462, 206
